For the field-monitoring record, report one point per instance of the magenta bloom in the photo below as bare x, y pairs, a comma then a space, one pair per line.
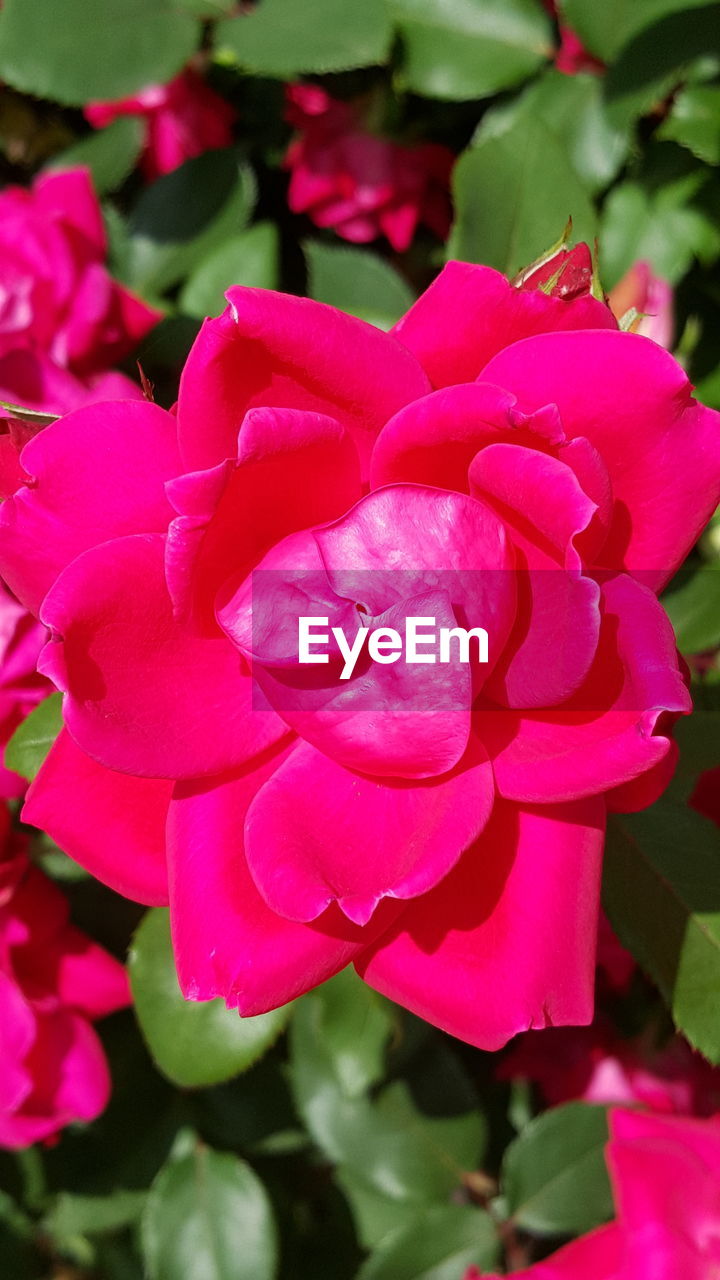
571, 56
652, 297
595, 1064
63, 320
665, 1174
182, 119
362, 185
502, 458
21, 686
54, 982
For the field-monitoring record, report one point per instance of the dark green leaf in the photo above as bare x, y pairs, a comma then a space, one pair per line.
438, 1244
669, 228
110, 154
77, 1215
185, 215
357, 281
661, 890
30, 743
283, 38
514, 192
607, 26
658, 57
75, 52
250, 258
554, 1177
208, 1215
462, 49
193, 1043
694, 610
694, 122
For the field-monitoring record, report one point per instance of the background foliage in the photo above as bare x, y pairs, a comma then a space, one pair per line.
341, 1137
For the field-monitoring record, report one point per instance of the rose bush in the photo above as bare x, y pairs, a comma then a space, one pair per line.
504, 457
55, 982
64, 321
665, 1175
358, 183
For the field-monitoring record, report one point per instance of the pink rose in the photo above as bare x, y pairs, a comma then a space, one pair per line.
444, 833
182, 119
595, 1064
362, 185
665, 1175
640, 289
63, 319
21, 686
54, 982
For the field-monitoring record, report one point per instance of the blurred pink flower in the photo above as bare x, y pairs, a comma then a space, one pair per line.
665, 1175
362, 185
652, 297
21, 686
182, 119
54, 981
571, 56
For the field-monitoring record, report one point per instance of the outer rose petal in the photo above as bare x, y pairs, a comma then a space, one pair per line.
146, 695
96, 474
470, 313
611, 731
272, 349
317, 833
620, 387
506, 941
130, 812
597, 1256
69, 197
227, 941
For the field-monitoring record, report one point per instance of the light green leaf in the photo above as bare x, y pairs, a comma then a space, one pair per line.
661, 890
250, 258
357, 281
694, 610
461, 49
110, 154
193, 1043
668, 227
605, 27
574, 110
438, 1244
514, 192
554, 1177
31, 741
694, 122
210, 1213
79, 1215
75, 52
186, 214
283, 38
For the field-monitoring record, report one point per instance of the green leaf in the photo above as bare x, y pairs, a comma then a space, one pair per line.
462, 49
186, 214
209, 1215
606, 27
74, 52
661, 890
554, 1177
110, 154
30, 743
356, 1024
573, 108
250, 258
514, 192
694, 122
357, 281
283, 38
694, 610
436, 1245
415, 1141
668, 227
79, 1215
193, 1043
656, 58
